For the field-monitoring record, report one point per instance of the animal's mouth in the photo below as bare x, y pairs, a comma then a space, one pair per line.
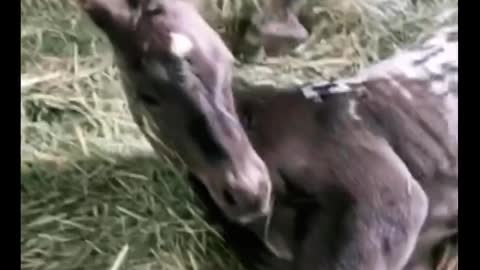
265, 225
264, 213
274, 241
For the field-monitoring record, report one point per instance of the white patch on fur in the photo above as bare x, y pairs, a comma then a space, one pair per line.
352, 110
180, 45
341, 87
309, 93
338, 87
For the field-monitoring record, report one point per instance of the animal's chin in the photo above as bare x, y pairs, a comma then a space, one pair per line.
253, 217
275, 241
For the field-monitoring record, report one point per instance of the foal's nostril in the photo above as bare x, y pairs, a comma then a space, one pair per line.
243, 199
229, 197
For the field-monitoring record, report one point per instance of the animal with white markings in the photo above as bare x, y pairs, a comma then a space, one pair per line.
362, 172
169, 59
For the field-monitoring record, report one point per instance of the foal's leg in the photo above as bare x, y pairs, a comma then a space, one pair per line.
377, 226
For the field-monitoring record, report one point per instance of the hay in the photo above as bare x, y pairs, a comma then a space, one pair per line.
93, 194
342, 44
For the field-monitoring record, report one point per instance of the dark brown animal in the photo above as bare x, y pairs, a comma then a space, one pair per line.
347, 172
410, 100
159, 46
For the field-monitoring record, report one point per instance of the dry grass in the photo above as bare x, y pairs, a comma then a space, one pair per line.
93, 195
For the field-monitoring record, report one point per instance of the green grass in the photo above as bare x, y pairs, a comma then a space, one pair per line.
93, 194
90, 182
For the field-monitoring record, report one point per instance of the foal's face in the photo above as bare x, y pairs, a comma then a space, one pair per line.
179, 72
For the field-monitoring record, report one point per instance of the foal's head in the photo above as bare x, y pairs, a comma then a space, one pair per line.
177, 73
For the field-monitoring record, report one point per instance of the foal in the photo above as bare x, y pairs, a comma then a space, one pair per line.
168, 57
345, 171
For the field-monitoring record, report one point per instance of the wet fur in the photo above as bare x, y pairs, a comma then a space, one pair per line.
321, 158
350, 189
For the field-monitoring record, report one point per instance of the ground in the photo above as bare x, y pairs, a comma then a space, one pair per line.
93, 194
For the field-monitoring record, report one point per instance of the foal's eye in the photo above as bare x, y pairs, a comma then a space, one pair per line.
153, 96
228, 197
148, 99
205, 140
